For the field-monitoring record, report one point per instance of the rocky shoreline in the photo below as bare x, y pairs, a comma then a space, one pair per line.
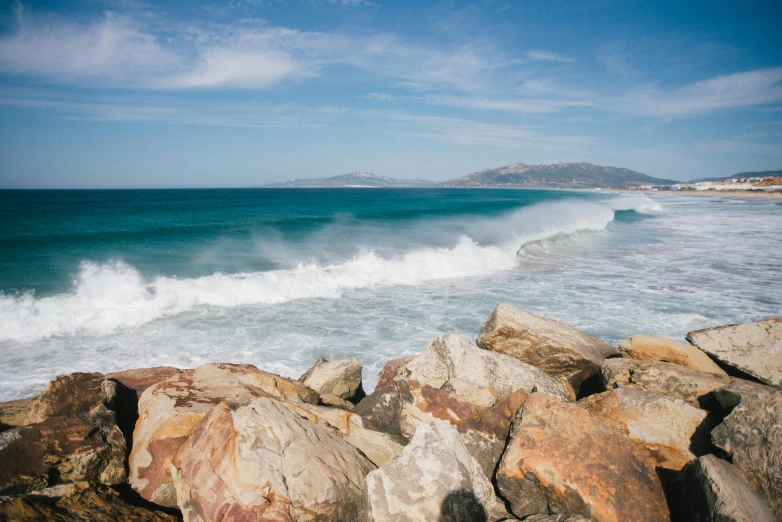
535, 421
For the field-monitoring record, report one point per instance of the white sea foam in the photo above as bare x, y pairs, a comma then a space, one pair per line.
114, 296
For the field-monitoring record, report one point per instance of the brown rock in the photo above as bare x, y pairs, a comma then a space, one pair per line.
170, 410
666, 378
561, 459
556, 348
139, 379
645, 347
335, 378
386, 376
556, 518
380, 411
73, 394
750, 349
262, 462
15, 413
668, 428
752, 436
77, 502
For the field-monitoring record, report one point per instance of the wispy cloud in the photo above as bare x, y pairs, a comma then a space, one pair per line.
547, 56
533, 106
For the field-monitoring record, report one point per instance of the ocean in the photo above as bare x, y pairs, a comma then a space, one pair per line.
115, 279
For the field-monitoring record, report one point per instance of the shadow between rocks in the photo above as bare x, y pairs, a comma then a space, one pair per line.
462, 506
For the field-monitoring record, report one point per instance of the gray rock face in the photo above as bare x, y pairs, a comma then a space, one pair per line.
752, 348
380, 411
263, 462
434, 478
478, 376
556, 348
338, 378
752, 436
722, 495
679, 381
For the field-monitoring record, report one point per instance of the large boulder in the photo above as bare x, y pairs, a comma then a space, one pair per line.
561, 459
679, 381
477, 376
263, 462
79, 501
337, 378
716, 492
170, 410
73, 394
434, 478
557, 348
751, 435
673, 431
753, 349
387, 373
644, 347
380, 411
15, 413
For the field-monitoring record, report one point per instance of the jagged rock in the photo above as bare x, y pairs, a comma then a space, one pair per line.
645, 347
556, 518
387, 373
79, 501
557, 348
452, 361
666, 378
333, 400
15, 413
380, 411
169, 410
751, 435
668, 428
754, 349
482, 430
716, 492
434, 478
73, 394
263, 462
561, 459
338, 378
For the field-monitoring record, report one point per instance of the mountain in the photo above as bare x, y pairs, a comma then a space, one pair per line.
354, 179
557, 175
740, 175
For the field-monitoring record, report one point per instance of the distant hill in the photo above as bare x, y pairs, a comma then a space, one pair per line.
762, 174
354, 179
557, 175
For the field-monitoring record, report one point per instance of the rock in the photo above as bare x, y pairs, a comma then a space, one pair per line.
556, 518
380, 411
668, 428
263, 462
434, 478
453, 363
169, 410
643, 347
754, 349
73, 394
666, 378
716, 492
333, 400
386, 376
561, 459
556, 348
139, 379
751, 435
338, 378
15, 413
61, 449
482, 430
77, 501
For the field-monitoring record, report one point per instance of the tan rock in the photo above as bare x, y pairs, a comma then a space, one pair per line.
386, 376
434, 478
751, 435
73, 394
333, 400
671, 379
338, 378
644, 347
667, 427
561, 459
170, 410
139, 379
15, 413
754, 349
557, 348
263, 462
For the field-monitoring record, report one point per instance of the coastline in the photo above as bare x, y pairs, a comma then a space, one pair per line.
734, 194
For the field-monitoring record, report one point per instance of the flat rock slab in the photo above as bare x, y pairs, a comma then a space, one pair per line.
670, 429
717, 492
170, 410
561, 459
434, 478
754, 349
338, 378
262, 462
671, 379
15, 413
752, 436
644, 347
556, 348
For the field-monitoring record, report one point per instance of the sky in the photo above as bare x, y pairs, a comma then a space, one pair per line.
130, 94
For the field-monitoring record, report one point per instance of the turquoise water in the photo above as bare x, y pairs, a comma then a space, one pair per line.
107, 280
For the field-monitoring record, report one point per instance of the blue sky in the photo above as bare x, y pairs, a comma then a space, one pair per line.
128, 93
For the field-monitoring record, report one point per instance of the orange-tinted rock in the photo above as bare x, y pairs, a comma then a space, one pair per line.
386, 376
72, 394
139, 379
645, 347
561, 459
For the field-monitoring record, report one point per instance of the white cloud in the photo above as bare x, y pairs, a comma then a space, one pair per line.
533, 106
547, 56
